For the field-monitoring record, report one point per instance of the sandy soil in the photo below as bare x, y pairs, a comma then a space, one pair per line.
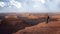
52, 27
42, 28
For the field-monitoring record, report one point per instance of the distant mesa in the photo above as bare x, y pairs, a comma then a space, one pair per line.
11, 17
30, 16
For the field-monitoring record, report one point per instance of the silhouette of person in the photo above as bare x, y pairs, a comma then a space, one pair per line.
47, 19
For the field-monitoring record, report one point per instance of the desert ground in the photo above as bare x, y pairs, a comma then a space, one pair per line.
29, 23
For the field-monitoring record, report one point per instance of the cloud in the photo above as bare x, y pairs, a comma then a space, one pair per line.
42, 1
31, 5
16, 4
52, 5
2, 4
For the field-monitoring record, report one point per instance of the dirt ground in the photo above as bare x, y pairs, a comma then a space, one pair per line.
42, 28
20, 27
53, 27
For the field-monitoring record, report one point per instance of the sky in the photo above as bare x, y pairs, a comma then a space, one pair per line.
33, 6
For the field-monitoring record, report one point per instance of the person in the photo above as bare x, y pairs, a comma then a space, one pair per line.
47, 19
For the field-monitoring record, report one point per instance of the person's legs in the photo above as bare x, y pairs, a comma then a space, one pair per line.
46, 20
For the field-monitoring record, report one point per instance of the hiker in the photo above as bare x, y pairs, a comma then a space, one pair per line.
47, 19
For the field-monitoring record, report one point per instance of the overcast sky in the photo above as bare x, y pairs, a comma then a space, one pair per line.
29, 6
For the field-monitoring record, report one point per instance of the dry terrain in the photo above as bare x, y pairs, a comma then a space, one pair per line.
29, 24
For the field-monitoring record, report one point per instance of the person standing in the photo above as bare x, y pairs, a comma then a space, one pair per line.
47, 18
